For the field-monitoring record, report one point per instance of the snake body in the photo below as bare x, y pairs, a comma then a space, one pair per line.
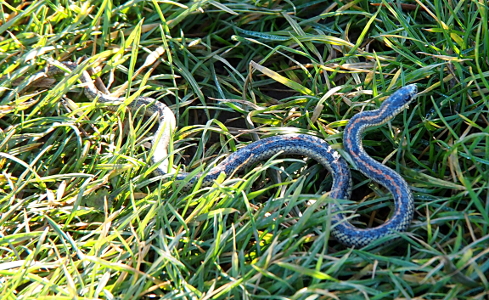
403, 198
294, 144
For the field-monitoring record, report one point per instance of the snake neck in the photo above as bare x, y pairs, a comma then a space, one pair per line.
354, 130
367, 165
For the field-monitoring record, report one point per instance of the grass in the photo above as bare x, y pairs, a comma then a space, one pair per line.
82, 216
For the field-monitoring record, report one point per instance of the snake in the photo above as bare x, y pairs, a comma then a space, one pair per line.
289, 144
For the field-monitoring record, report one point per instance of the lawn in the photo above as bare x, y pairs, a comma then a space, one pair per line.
83, 216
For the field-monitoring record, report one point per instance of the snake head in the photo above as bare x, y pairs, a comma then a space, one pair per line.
399, 100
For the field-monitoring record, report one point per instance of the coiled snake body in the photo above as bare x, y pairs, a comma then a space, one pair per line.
297, 144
